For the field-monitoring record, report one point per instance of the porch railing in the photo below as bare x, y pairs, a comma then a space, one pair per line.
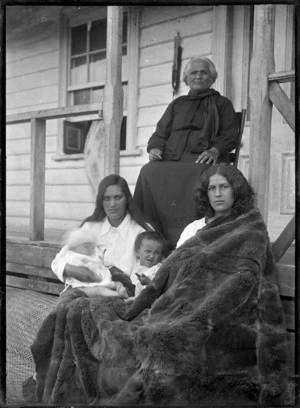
112, 116
38, 121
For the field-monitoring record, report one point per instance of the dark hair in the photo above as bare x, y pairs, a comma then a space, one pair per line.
151, 235
242, 191
99, 213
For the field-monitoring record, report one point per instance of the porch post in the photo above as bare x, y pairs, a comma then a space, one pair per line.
113, 91
262, 64
37, 180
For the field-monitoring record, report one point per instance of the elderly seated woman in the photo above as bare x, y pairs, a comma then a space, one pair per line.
196, 130
209, 329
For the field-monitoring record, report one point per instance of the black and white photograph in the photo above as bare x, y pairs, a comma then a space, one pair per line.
149, 203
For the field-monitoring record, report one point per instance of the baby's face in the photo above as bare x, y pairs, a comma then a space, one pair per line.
150, 252
86, 248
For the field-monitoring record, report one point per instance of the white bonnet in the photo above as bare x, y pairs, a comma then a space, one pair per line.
78, 237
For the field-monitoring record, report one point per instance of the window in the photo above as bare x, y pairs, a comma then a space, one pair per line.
88, 61
75, 135
83, 73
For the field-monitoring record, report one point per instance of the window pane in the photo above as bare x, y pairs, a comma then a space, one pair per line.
82, 97
97, 95
123, 134
97, 66
73, 138
79, 36
78, 71
98, 35
75, 135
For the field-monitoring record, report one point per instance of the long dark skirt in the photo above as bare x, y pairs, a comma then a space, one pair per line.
164, 192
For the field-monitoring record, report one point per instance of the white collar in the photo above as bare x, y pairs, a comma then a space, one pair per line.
122, 228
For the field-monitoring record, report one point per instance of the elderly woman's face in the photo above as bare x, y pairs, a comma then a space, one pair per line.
199, 77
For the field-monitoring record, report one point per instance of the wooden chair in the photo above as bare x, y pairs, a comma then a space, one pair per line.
234, 156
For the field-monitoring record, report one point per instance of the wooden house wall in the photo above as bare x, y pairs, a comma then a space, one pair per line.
158, 27
282, 172
33, 75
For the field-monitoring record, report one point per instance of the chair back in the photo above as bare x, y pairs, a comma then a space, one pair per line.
234, 156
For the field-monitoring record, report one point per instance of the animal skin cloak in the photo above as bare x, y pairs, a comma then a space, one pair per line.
208, 329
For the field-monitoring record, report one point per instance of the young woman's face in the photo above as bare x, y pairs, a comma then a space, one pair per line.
199, 77
114, 204
220, 195
149, 252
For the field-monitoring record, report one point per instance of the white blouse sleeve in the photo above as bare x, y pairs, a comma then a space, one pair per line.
59, 263
190, 230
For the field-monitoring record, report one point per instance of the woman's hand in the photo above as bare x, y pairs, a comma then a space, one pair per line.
80, 273
155, 154
209, 156
119, 276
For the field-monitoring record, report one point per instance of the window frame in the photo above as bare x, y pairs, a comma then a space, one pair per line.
70, 18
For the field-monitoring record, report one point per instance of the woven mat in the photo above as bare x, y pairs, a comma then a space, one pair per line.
25, 312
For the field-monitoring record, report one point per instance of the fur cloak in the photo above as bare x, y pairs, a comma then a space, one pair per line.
208, 329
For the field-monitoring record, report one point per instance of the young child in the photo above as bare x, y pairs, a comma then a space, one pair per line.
81, 250
150, 249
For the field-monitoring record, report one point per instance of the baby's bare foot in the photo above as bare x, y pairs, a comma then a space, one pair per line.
123, 293
130, 299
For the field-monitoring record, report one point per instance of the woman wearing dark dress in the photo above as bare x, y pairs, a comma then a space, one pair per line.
196, 130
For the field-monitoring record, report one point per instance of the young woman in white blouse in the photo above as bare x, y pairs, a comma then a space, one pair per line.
116, 224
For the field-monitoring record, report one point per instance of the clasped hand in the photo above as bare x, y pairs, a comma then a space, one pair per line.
209, 156
155, 154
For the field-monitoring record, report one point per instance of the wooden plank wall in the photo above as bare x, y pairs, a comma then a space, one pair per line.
33, 83
158, 27
33, 69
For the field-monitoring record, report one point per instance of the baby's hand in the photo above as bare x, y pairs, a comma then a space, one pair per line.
143, 279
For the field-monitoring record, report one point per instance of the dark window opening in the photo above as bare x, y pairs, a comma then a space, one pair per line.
123, 134
75, 134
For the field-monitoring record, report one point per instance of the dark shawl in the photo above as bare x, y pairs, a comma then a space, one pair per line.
196, 122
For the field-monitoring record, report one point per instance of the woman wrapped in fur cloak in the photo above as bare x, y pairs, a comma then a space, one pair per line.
208, 329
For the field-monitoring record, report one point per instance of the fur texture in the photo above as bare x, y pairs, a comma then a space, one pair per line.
208, 329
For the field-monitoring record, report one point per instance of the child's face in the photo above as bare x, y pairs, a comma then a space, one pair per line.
86, 248
150, 252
